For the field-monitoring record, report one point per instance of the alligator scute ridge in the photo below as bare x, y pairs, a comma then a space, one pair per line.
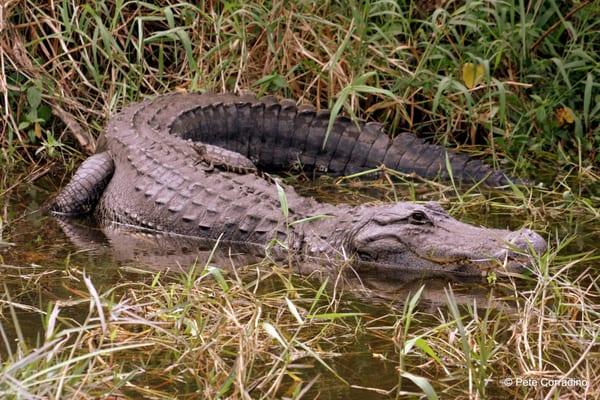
146, 173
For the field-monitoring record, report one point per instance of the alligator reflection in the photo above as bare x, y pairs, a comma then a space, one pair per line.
163, 251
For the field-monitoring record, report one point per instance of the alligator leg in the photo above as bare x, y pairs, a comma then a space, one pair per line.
85, 188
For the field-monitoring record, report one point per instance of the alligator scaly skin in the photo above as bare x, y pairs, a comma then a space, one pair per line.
147, 175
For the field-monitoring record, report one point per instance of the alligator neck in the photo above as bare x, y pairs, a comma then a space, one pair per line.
327, 235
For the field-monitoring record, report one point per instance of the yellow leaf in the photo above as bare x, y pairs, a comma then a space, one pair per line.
294, 376
38, 130
565, 115
472, 74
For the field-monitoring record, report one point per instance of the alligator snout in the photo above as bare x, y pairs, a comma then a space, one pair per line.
521, 242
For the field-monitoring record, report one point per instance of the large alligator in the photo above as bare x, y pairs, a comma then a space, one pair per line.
188, 164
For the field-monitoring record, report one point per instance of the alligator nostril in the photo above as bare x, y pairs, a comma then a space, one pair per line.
526, 238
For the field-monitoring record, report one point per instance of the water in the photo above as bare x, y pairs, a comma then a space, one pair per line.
46, 248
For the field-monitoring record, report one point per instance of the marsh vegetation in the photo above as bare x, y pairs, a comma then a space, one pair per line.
515, 83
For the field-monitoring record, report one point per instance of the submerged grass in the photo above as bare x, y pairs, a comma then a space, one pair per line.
514, 81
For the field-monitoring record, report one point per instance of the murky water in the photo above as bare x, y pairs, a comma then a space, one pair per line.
46, 248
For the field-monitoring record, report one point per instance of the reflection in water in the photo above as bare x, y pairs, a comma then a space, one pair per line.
154, 250
102, 250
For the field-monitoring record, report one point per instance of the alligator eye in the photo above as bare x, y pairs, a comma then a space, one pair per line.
366, 256
419, 218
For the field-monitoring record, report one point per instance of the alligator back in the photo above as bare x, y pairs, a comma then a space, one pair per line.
161, 182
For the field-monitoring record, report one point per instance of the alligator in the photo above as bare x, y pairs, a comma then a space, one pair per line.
196, 165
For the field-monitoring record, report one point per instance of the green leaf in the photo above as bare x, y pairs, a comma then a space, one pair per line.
282, 200
294, 310
443, 85
31, 135
501, 99
318, 295
169, 16
215, 272
334, 315
472, 74
275, 81
415, 298
310, 219
422, 383
34, 97
272, 331
44, 113
187, 45
587, 98
561, 68
422, 344
356, 87
224, 389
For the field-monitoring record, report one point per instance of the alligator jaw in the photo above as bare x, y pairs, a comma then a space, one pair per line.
517, 263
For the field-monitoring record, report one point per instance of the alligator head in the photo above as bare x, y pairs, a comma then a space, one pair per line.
425, 238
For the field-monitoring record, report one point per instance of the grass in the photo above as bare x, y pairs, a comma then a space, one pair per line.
532, 95
259, 334
514, 82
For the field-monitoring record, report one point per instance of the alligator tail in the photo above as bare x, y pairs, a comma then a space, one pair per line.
352, 147
85, 188
276, 134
